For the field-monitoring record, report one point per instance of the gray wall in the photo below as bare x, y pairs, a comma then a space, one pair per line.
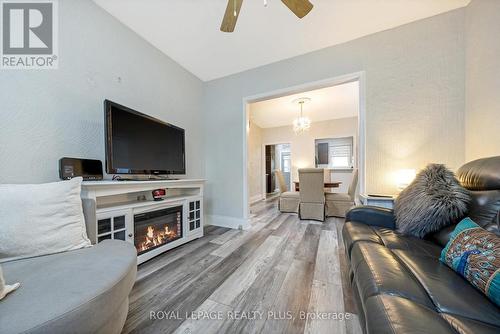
482, 27
414, 104
49, 114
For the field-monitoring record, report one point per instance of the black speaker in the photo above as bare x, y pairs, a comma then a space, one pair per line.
90, 170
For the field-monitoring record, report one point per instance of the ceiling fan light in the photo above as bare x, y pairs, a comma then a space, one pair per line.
299, 7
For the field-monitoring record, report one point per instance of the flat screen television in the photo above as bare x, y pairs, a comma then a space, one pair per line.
139, 144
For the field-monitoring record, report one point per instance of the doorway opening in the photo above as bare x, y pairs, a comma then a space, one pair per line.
324, 123
278, 158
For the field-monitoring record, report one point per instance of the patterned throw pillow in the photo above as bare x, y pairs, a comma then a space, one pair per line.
474, 253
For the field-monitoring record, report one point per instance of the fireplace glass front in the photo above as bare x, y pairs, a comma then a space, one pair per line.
157, 228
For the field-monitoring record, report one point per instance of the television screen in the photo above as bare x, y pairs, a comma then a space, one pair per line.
140, 144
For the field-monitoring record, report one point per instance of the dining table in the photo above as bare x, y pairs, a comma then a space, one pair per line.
327, 185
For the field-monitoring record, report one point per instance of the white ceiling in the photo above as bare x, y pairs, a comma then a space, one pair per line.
188, 30
326, 103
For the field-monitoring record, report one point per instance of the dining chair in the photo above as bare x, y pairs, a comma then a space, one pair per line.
312, 194
337, 204
289, 200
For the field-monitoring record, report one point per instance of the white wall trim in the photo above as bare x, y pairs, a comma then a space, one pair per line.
338, 80
246, 129
227, 221
362, 132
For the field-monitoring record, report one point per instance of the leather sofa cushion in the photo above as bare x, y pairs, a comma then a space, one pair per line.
465, 325
378, 271
449, 292
481, 174
372, 216
394, 314
354, 232
484, 209
443, 236
393, 240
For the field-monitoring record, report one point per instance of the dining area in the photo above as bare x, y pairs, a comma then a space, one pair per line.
314, 196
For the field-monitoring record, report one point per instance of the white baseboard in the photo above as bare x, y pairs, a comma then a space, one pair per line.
226, 221
256, 198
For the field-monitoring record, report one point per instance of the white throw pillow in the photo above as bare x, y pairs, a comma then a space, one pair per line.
41, 219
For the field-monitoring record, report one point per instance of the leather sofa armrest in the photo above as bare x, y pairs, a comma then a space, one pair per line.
372, 215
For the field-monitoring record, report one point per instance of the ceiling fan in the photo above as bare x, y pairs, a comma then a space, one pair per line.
299, 7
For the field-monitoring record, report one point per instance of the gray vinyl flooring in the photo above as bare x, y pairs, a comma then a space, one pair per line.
282, 275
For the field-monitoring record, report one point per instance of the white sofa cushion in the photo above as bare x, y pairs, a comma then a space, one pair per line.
41, 219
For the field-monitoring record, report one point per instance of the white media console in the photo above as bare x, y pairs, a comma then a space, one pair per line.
126, 210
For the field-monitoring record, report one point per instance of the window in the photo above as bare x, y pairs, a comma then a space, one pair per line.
334, 153
286, 164
340, 156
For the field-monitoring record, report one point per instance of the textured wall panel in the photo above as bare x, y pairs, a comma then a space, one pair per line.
415, 103
482, 31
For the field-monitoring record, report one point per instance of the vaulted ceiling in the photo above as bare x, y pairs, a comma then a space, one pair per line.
188, 30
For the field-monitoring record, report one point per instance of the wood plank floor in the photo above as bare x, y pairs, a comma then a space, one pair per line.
280, 276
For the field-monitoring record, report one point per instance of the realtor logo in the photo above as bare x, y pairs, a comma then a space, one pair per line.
29, 34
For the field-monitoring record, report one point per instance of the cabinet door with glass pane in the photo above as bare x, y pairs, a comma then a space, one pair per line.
195, 215
113, 225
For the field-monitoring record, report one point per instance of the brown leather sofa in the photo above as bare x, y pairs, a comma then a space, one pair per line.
400, 286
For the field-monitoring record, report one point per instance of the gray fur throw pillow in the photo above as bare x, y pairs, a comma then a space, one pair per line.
432, 201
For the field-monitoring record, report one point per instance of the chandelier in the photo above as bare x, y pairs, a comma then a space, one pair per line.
301, 123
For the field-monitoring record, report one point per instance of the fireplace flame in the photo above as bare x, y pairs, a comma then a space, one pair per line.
155, 238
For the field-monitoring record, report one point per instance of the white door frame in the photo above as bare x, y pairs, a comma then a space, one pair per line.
263, 164
338, 80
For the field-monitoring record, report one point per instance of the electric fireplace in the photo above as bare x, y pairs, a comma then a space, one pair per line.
154, 229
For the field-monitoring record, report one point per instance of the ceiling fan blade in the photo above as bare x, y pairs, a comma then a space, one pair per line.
299, 7
229, 20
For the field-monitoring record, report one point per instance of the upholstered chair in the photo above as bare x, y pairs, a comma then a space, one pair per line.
289, 201
312, 194
338, 204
